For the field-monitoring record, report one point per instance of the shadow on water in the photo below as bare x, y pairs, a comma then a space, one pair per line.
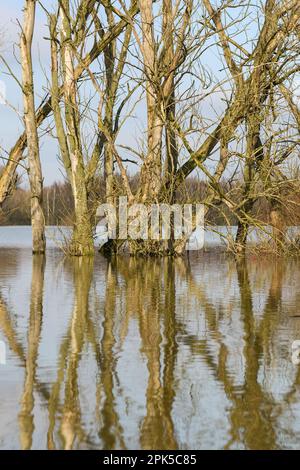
156, 354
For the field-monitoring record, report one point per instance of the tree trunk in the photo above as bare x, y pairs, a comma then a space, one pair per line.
151, 171
278, 226
241, 237
35, 170
253, 165
82, 239
169, 99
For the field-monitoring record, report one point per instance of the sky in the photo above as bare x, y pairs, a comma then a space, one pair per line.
10, 117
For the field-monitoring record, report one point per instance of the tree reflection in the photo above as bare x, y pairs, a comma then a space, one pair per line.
110, 430
69, 359
147, 291
253, 410
154, 303
26, 419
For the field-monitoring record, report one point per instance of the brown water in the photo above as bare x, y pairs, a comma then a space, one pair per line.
153, 354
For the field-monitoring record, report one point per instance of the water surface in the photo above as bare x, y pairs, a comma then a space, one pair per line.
189, 353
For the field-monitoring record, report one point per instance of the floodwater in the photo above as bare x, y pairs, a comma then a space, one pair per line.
188, 353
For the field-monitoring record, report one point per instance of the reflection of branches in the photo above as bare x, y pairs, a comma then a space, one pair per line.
111, 431
150, 294
16, 347
83, 269
171, 348
82, 327
34, 331
153, 295
53, 403
68, 363
9, 332
253, 411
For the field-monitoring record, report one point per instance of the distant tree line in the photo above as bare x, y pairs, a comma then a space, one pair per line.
58, 203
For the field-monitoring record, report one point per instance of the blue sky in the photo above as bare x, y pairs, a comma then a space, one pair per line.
11, 125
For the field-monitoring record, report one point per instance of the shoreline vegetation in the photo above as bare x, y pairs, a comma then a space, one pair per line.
58, 207
221, 132
58, 203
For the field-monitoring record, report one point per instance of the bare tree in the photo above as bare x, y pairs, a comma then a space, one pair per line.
35, 170
157, 56
7, 178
